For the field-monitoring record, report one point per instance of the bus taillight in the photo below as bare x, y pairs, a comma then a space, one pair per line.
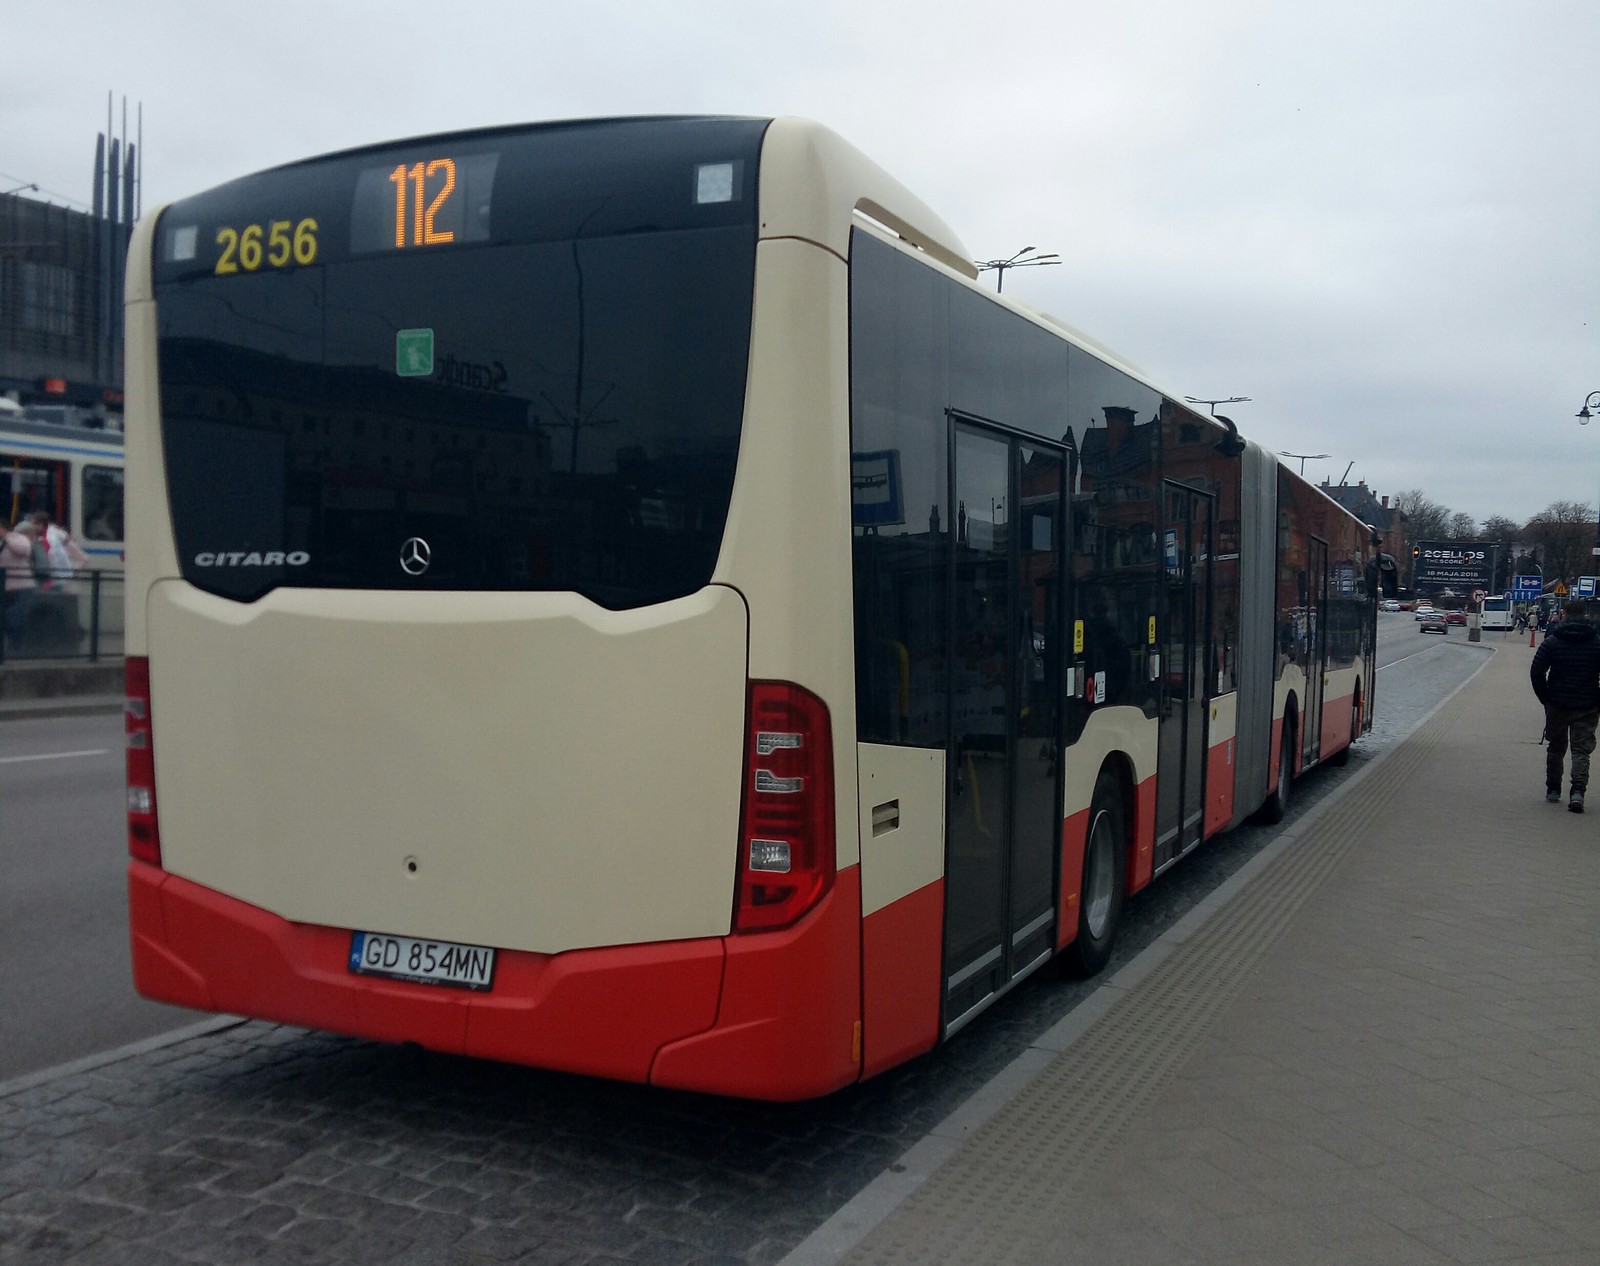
144, 839
786, 848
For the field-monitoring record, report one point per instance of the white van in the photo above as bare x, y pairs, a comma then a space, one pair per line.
1497, 615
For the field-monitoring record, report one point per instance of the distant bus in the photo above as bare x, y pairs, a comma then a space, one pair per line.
1499, 615
620, 596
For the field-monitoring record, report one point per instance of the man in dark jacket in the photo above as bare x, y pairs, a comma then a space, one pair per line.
1566, 677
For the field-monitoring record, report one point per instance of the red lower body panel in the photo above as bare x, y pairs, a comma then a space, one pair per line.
1219, 787
901, 950
1074, 836
610, 1012
1141, 865
789, 1023
1337, 715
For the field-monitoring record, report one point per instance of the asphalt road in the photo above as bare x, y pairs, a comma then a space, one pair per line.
65, 987
65, 983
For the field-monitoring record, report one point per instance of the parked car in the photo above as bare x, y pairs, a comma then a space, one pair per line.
1433, 622
1455, 617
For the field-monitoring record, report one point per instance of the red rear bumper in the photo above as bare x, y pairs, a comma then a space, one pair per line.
772, 1016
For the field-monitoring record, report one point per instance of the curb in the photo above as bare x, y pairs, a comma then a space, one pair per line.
88, 1063
60, 706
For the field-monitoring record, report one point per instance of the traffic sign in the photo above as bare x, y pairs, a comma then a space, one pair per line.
1526, 588
1478, 595
1560, 589
1585, 586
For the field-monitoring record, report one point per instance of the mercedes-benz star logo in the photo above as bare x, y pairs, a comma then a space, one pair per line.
415, 556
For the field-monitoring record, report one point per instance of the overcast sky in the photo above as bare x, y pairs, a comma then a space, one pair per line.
1377, 220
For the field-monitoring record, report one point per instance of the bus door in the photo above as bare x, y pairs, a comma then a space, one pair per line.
1004, 794
1316, 608
1185, 656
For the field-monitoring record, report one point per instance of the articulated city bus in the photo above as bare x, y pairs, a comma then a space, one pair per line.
618, 596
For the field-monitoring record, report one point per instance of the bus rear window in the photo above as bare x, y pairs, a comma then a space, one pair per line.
541, 390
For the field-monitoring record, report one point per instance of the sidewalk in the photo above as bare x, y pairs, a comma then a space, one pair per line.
1385, 1047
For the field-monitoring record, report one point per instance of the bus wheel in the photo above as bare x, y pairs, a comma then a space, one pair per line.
1100, 895
1277, 805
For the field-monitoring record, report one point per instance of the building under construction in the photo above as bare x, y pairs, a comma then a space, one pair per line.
61, 275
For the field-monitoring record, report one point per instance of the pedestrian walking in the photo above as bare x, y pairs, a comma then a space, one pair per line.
63, 554
1566, 678
16, 596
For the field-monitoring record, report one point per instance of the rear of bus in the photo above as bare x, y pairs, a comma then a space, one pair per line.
489, 675
1498, 615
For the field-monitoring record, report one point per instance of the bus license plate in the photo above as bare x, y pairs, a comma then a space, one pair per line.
425, 962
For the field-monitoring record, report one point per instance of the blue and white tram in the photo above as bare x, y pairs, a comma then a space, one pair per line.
64, 461
70, 469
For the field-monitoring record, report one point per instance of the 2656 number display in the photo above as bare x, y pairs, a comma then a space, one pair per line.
276, 244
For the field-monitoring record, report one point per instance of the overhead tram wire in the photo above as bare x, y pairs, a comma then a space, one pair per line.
50, 193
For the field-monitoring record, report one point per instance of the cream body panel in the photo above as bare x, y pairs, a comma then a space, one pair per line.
1224, 719
562, 776
813, 181
1340, 683
146, 527
1122, 729
787, 546
902, 858
1292, 681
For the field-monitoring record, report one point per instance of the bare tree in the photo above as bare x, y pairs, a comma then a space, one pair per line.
1562, 533
1503, 532
1463, 527
1424, 519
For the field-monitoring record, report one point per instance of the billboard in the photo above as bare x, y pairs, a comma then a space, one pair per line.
1459, 565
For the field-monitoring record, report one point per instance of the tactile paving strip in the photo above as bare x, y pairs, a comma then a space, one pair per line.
986, 1204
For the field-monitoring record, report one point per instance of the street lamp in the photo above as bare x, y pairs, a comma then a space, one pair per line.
1304, 458
1022, 259
1215, 403
1583, 416
19, 189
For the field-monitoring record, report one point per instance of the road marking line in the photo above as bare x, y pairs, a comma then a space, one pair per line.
92, 751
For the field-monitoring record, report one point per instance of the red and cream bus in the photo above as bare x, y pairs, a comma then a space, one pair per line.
619, 596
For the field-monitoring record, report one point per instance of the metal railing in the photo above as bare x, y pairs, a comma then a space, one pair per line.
58, 617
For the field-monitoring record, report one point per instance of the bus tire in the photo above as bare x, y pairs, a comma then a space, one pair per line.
1276, 807
1104, 885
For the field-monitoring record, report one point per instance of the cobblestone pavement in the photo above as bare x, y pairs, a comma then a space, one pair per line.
266, 1144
